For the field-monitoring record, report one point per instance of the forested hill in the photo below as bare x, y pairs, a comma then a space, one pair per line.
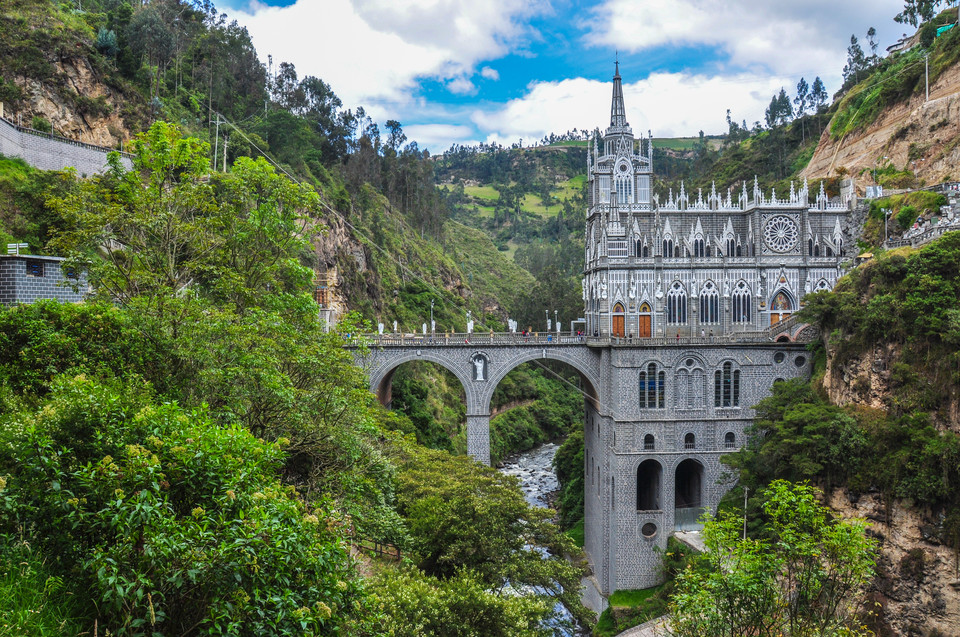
105, 73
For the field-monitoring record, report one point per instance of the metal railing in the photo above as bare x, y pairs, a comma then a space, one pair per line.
63, 140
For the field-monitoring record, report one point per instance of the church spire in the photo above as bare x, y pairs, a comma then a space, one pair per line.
618, 114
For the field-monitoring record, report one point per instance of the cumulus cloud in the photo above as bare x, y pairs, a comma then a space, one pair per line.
670, 104
438, 137
377, 50
790, 37
489, 73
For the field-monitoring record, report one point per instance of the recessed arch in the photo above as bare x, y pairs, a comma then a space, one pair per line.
649, 479
688, 494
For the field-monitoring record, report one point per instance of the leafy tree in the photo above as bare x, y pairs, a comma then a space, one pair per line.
818, 99
107, 42
856, 60
872, 41
916, 11
805, 577
802, 100
463, 516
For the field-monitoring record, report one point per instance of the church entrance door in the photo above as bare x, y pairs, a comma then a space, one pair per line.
618, 322
776, 318
643, 327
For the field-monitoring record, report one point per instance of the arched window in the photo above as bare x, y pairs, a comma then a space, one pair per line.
676, 251
729, 440
689, 385
739, 253
652, 387
646, 252
709, 304
698, 247
731, 247
829, 251
668, 247
637, 248
741, 303
810, 246
689, 441
816, 249
726, 386
708, 250
624, 184
677, 304
648, 443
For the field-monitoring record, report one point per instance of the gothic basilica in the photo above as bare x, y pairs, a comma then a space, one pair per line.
690, 298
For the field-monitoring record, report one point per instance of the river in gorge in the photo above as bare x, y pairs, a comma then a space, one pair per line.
534, 470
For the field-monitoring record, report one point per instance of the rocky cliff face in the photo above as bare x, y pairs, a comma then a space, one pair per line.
918, 135
917, 589
94, 118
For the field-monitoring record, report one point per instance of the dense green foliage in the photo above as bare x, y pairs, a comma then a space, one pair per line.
170, 523
466, 518
907, 299
212, 449
33, 601
808, 578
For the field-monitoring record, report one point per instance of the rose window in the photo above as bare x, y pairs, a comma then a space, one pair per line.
781, 234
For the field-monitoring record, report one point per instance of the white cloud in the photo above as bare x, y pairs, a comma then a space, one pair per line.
377, 50
789, 37
438, 137
671, 104
461, 86
489, 73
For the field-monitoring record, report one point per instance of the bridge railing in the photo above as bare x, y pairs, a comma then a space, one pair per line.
541, 339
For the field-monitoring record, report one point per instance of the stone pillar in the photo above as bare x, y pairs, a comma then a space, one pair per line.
478, 437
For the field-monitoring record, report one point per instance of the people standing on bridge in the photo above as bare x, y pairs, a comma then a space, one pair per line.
678, 336
702, 333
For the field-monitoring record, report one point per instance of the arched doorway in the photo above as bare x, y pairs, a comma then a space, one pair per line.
780, 307
688, 495
648, 485
644, 324
618, 330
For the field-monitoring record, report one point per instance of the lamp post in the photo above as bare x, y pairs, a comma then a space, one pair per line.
886, 223
546, 316
555, 323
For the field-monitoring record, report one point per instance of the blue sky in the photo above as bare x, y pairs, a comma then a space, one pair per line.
466, 71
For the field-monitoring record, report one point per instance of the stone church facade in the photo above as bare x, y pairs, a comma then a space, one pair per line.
684, 295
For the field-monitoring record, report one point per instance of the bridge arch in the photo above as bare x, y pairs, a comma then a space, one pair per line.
381, 377
563, 355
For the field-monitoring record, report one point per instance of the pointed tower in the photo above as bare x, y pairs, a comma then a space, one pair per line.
618, 114
619, 186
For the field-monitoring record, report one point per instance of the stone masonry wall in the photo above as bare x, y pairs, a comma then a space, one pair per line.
49, 152
18, 285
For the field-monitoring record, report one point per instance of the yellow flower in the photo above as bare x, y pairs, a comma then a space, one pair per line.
198, 512
324, 611
231, 495
118, 493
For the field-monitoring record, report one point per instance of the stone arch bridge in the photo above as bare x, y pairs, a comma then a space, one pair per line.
660, 412
479, 362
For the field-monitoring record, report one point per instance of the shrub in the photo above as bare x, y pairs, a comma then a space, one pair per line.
171, 523
41, 124
906, 216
